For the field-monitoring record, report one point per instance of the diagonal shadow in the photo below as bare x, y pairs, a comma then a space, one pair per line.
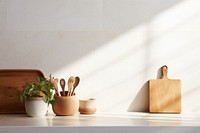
141, 101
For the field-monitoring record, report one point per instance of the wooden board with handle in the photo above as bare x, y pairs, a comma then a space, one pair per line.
11, 84
165, 94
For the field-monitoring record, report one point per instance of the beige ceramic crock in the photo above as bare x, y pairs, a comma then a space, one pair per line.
87, 106
65, 105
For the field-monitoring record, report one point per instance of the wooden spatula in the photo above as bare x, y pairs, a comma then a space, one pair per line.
165, 94
55, 85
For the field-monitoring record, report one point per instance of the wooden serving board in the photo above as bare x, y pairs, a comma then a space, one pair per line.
165, 94
11, 84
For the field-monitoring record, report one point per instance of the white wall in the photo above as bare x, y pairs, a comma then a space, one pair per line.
115, 46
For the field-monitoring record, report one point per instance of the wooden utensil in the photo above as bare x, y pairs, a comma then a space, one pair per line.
165, 94
55, 84
71, 82
77, 80
62, 84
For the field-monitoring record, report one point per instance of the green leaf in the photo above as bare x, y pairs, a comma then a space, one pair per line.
33, 90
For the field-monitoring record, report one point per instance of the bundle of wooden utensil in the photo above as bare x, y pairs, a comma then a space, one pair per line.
72, 84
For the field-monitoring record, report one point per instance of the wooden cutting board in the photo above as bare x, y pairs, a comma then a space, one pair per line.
165, 94
11, 84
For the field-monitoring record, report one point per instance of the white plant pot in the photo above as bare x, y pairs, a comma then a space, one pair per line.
36, 107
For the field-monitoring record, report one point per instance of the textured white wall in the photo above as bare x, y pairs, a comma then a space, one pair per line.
115, 46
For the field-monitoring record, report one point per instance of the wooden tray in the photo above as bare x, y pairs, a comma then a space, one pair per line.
11, 84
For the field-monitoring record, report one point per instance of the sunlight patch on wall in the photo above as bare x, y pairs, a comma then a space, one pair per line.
115, 72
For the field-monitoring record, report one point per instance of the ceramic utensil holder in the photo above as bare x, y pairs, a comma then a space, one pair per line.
65, 105
87, 106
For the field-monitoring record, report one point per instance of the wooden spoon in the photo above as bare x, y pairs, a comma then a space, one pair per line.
71, 81
62, 84
77, 80
55, 84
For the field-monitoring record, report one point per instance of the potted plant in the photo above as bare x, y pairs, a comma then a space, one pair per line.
37, 97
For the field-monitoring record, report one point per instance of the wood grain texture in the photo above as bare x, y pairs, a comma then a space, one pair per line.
165, 94
11, 84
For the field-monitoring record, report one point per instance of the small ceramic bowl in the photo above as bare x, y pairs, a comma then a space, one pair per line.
87, 106
65, 105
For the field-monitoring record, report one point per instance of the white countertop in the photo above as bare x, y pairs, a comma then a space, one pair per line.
103, 119
102, 122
